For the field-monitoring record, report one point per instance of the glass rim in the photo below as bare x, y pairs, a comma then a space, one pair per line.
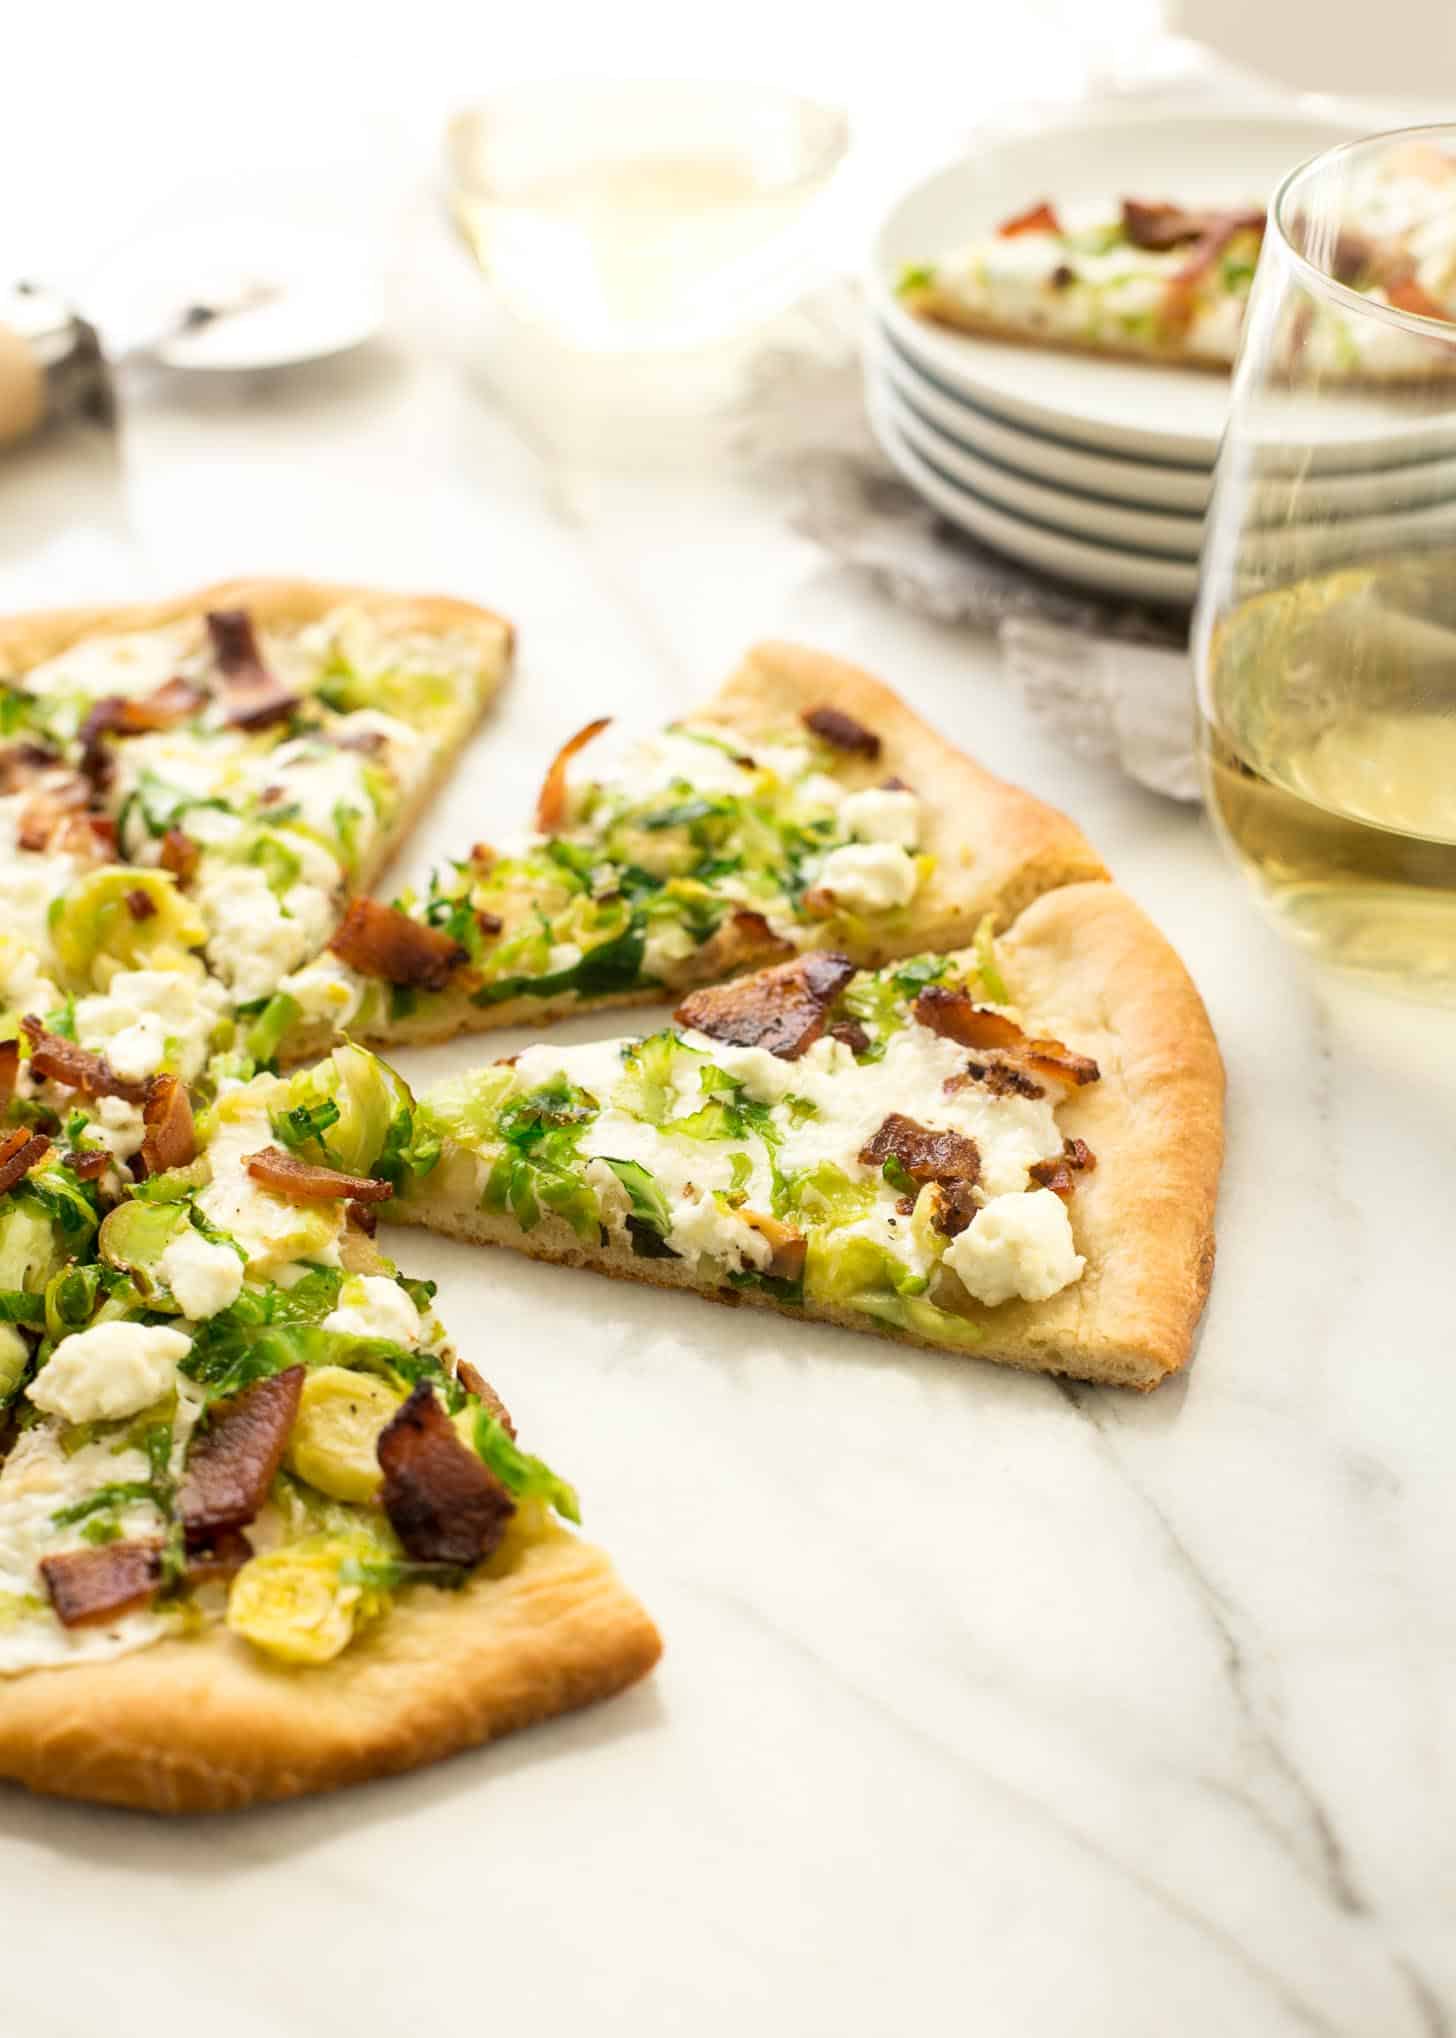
1342, 293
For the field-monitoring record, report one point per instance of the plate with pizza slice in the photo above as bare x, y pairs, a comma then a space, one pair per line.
1091, 281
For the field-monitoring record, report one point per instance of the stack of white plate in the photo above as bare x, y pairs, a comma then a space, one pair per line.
1099, 471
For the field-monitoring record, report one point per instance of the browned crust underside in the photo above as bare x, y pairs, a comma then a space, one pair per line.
1087, 966
210, 1724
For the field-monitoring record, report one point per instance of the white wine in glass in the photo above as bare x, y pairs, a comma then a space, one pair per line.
1326, 635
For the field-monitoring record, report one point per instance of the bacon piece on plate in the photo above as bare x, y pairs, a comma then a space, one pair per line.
9, 1070
62, 1061
926, 1155
381, 941
171, 1137
301, 1182
551, 800
233, 1461
1037, 219
841, 731
1406, 294
783, 1009
956, 1016
443, 1503
49, 808
86, 1586
252, 695
87, 1163
1180, 296
22, 763
134, 715
790, 1247
20, 1151
955, 1207
222, 1556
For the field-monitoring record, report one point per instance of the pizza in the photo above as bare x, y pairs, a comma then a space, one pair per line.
1169, 281
262, 1531
1011, 1151
189, 789
804, 807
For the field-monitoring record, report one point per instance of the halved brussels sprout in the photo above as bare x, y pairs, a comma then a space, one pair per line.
30, 1248
364, 1091
295, 1603
120, 918
340, 1415
135, 1235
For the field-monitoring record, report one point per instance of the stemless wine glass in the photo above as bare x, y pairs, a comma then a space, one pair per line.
1325, 638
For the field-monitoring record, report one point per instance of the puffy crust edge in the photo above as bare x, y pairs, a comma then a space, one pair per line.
1085, 964
210, 1725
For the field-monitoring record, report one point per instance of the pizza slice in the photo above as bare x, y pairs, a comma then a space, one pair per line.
804, 808
187, 791
1168, 281
262, 1532
1010, 1151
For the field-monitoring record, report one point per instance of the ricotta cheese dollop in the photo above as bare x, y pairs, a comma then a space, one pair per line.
204, 1277
111, 1370
371, 1305
869, 877
1019, 1245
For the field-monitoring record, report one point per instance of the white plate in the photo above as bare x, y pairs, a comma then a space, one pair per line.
317, 294
1140, 575
1135, 408
1148, 483
1176, 533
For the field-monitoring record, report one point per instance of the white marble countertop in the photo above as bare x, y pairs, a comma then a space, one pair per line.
988, 1704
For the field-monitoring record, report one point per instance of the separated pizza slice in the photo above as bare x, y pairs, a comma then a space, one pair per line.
1011, 1151
188, 790
804, 808
262, 1532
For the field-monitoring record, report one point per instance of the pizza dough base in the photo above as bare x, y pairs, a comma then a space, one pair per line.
210, 1724
996, 847
1085, 965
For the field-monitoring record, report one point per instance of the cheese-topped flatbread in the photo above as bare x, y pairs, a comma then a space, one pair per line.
805, 807
261, 1530
1011, 1152
1168, 281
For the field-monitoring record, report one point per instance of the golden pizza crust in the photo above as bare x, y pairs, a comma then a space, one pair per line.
28, 640
210, 1724
1086, 966
996, 848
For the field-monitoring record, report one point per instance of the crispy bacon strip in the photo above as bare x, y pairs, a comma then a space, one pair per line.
301, 1182
22, 763
925, 1154
232, 1463
1180, 295
122, 715
222, 1557
476, 1384
955, 1207
445, 1506
743, 940
1037, 219
841, 731
1054, 1175
86, 1586
851, 1033
48, 809
381, 941
783, 1009
9, 1070
790, 1247
179, 854
1409, 295
20, 1151
551, 800
1158, 226
87, 1163
956, 1016
89, 837
62, 1061
252, 696
171, 1137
